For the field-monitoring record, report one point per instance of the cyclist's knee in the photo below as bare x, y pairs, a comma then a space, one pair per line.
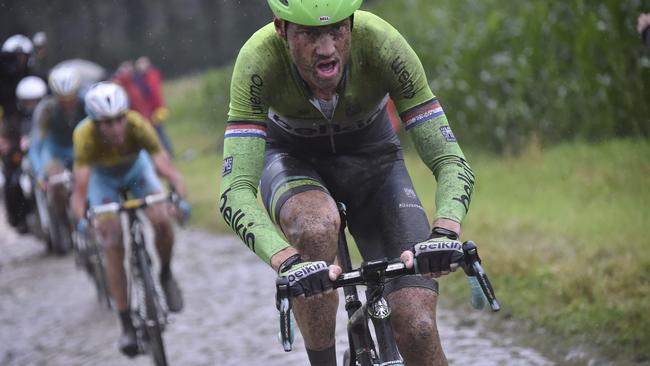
311, 222
110, 231
159, 217
414, 315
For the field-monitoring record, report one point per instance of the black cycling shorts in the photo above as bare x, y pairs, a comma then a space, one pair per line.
384, 214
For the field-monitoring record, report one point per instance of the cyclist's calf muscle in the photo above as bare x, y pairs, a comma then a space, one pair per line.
414, 321
110, 231
163, 229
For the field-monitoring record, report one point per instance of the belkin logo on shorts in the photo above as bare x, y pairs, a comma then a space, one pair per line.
305, 271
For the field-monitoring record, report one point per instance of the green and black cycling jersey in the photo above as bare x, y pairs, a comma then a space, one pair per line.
268, 99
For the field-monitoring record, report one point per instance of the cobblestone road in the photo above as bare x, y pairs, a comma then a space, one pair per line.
49, 314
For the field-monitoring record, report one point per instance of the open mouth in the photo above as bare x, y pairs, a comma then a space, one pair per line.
327, 69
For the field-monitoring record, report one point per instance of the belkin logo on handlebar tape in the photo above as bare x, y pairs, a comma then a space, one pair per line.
305, 271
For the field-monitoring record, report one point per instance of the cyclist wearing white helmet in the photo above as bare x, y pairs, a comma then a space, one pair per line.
55, 118
14, 58
308, 123
39, 55
18, 43
115, 149
13, 144
29, 92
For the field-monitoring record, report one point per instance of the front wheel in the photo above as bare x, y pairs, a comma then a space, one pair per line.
156, 345
154, 314
61, 240
98, 274
346, 358
60, 231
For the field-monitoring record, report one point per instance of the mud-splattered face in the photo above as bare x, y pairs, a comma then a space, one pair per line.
320, 53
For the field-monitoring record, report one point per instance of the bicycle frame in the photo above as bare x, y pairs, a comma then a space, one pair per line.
148, 305
150, 313
376, 308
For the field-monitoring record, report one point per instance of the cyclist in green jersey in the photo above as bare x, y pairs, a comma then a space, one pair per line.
308, 122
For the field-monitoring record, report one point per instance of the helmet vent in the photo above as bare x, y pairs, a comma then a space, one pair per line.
285, 2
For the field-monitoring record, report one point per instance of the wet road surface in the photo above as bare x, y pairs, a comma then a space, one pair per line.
49, 314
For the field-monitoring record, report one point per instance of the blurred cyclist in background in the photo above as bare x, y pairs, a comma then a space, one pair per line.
89, 73
38, 61
55, 118
14, 59
51, 152
116, 149
14, 132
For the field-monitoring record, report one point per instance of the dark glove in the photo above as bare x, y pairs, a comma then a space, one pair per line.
438, 252
305, 278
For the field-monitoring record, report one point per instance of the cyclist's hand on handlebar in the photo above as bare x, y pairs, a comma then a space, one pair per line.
82, 226
308, 278
437, 256
179, 187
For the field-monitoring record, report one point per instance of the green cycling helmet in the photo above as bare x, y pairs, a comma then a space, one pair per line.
314, 12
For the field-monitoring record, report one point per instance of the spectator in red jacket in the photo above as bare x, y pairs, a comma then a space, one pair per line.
126, 78
148, 79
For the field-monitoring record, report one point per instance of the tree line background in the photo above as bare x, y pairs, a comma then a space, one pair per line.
512, 72
508, 72
180, 36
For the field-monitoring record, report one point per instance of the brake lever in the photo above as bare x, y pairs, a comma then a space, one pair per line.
472, 267
283, 304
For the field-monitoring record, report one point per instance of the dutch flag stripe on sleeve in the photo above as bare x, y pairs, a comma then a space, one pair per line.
244, 130
432, 111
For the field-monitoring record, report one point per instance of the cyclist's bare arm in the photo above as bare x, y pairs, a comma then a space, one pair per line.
164, 167
81, 176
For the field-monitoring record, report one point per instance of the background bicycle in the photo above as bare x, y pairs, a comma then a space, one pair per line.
147, 303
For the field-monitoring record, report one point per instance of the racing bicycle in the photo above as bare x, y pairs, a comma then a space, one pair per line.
364, 350
149, 310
